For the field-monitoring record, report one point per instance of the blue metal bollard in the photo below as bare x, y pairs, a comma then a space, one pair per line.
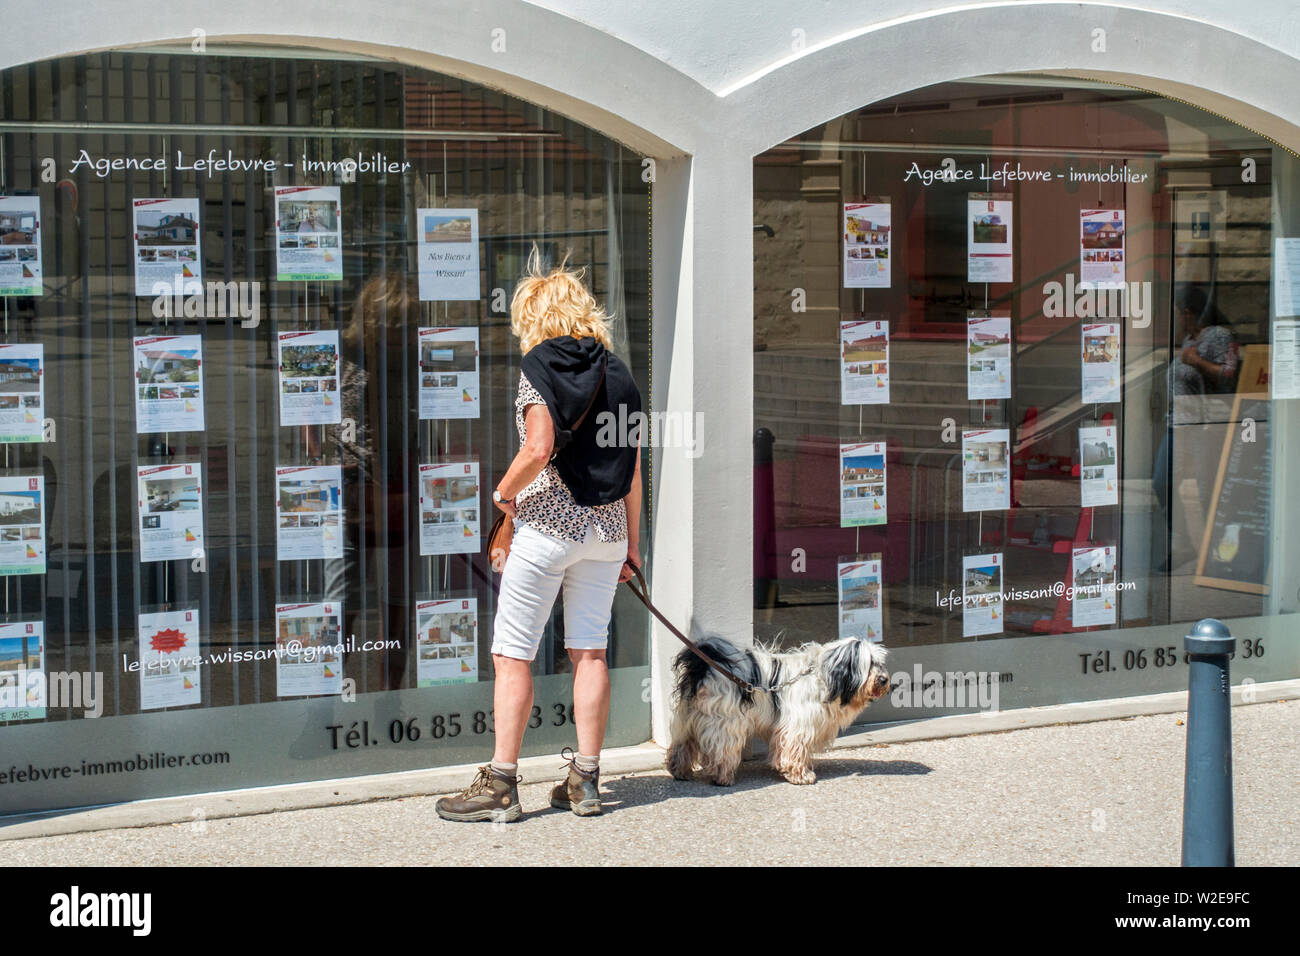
1207, 788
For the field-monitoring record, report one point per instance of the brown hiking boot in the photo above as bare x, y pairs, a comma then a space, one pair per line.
489, 797
580, 791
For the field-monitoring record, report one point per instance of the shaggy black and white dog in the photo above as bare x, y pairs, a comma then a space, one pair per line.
820, 688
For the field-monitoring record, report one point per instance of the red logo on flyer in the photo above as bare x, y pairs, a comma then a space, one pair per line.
31, 484
167, 641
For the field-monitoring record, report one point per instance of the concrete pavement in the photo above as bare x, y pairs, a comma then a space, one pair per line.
1107, 792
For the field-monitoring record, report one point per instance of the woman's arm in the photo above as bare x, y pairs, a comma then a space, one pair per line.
532, 457
1223, 371
633, 503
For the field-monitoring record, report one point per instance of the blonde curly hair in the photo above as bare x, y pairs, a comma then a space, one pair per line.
548, 305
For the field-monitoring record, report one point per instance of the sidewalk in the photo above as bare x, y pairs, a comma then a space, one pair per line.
1108, 792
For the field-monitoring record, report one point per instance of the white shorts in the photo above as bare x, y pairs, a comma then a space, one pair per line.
538, 566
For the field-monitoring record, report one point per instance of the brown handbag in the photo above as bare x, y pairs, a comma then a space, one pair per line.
502, 532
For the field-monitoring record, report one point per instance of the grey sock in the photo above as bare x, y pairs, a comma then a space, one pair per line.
587, 764
506, 771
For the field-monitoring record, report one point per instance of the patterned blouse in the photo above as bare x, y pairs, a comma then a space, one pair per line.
547, 505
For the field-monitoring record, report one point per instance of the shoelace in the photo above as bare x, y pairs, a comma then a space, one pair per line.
481, 783
484, 781
571, 762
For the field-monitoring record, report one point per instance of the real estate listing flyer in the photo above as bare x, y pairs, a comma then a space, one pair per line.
308, 649
1093, 576
1098, 466
860, 601
171, 511
168, 383
988, 237
22, 670
1101, 249
864, 362
866, 245
1286, 275
309, 378
1101, 374
167, 248
20, 246
981, 593
22, 393
988, 355
1285, 378
449, 508
309, 512
446, 641
862, 484
447, 253
449, 372
308, 234
22, 525
986, 469
169, 659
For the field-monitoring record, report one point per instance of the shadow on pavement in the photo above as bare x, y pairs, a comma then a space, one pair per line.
634, 790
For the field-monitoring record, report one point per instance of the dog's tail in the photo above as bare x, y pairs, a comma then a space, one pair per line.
692, 672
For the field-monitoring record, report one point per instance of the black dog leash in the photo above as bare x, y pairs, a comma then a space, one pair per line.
642, 593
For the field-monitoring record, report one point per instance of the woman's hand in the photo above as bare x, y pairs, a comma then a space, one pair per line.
1189, 354
507, 506
633, 559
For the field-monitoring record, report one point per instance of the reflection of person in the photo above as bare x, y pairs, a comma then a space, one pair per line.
1204, 364
576, 528
1207, 361
375, 473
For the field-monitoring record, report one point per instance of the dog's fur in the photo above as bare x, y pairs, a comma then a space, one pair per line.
713, 718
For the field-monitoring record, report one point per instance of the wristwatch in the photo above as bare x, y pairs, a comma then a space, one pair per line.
496, 496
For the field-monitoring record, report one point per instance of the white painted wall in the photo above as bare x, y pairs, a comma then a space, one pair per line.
718, 82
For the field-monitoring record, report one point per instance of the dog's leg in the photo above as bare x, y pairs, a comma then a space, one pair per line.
722, 746
793, 758
722, 770
684, 752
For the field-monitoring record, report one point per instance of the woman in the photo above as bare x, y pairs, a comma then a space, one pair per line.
576, 500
